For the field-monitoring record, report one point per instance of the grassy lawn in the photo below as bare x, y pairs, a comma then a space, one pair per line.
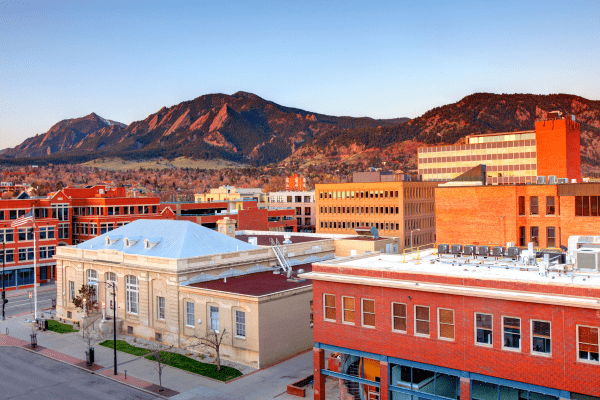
188, 364
56, 326
178, 361
126, 347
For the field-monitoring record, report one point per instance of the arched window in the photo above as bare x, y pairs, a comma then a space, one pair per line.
92, 280
132, 291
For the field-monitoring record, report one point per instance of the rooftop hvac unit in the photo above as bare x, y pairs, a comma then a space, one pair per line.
470, 249
253, 241
498, 251
552, 179
587, 260
573, 180
563, 180
456, 249
541, 180
484, 250
513, 252
443, 249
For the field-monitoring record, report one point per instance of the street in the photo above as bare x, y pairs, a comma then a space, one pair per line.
27, 375
23, 304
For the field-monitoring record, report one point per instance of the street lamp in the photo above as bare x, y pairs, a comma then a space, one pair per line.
411, 241
113, 286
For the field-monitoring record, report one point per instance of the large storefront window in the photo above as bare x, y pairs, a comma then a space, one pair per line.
25, 276
9, 279
490, 391
410, 381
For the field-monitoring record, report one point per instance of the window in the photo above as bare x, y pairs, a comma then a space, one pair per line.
550, 237
6, 235
160, 307
540, 337
329, 307
399, 317
240, 324
511, 331
47, 232
535, 235
131, 294
25, 234
550, 206
445, 323
214, 318
311, 313
368, 313
10, 255
533, 205
189, 313
348, 310
158, 336
483, 329
422, 320
587, 343
71, 290
522, 238
521, 205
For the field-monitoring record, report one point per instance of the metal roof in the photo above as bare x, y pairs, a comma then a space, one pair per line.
165, 238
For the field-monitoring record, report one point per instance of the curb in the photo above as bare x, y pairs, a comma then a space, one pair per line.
91, 372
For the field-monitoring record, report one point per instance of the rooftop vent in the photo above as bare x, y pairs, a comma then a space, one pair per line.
131, 240
443, 249
483, 250
513, 252
110, 240
253, 241
151, 242
286, 238
498, 251
456, 249
587, 259
369, 231
470, 249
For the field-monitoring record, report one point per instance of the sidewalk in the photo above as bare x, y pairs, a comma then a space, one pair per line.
70, 348
46, 287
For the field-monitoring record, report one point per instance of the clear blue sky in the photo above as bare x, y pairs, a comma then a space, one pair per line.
126, 59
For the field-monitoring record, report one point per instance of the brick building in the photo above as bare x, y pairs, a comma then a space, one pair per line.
552, 149
295, 182
455, 328
394, 208
303, 203
544, 214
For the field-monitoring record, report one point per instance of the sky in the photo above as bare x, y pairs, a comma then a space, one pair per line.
125, 60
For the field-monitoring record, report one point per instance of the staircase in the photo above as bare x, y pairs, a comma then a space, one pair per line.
281, 257
353, 388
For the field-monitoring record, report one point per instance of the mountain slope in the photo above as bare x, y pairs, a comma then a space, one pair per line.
65, 135
241, 127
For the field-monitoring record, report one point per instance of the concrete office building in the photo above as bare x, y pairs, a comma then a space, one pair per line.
302, 202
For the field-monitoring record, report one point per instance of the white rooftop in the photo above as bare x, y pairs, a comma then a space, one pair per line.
165, 238
478, 267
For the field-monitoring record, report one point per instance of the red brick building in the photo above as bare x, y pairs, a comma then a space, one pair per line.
452, 328
544, 214
552, 149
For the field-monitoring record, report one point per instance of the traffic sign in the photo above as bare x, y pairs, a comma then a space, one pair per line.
29, 294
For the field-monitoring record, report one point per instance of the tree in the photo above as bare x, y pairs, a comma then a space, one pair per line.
162, 357
88, 330
213, 341
87, 293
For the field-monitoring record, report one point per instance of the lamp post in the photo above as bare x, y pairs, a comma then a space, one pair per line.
3, 276
411, 241
113, 286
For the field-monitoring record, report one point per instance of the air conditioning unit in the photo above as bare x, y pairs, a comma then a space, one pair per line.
552, 179
498, 251
456, 249
470, 249
483, 250
513, 252
587, 260
541, 180
443, 249
253, 241
563, 180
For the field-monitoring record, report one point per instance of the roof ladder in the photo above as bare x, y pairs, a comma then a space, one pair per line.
284, 262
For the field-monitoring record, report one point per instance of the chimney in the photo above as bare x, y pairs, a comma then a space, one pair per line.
226, 226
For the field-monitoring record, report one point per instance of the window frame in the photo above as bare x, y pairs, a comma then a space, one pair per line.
579, 359
520, 333
475, 330
531, 335
428, 321
210, 319
238, 324
159, 316
130, 290
188, 314
439, 324
71, 290
353, 322
363, 312
394, 316
325, 307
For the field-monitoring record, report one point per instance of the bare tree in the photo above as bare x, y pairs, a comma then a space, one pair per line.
88, 331
158, 350
213, 341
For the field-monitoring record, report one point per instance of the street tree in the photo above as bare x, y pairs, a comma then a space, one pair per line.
87, 299
213, 340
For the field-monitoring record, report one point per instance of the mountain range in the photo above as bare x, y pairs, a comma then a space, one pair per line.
244, 127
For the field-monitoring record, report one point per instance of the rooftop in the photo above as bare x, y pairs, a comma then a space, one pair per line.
259, 284
167, 239
264, 240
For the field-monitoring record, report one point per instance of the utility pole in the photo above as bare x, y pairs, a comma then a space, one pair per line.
4, 301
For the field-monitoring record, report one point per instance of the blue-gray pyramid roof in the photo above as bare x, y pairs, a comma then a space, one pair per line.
169, 239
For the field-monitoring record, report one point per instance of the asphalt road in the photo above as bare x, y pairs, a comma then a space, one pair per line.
23, 304
26, 375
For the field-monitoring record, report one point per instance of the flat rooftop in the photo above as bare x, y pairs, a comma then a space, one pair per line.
265, 240
258, 284
488, 268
